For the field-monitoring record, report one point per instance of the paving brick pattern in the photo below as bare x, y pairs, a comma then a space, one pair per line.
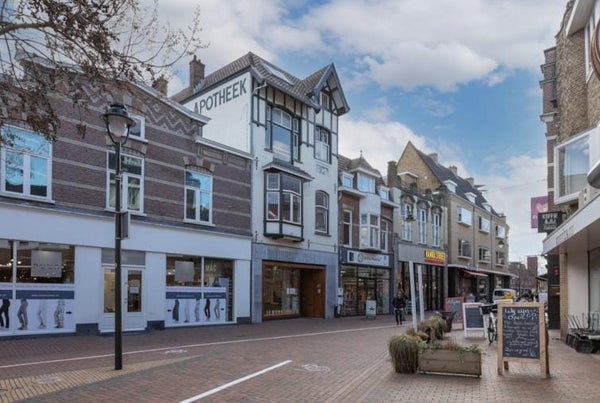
336, 360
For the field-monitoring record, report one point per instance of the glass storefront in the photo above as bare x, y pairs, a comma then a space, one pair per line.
433, 281
281, 291
360, 284
36, 286
199, 290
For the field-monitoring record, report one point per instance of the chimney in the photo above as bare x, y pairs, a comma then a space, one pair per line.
471, 181
161, 85
392, 175
196, 72
434, 157
454, 169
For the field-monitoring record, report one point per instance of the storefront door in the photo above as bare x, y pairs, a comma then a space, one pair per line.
366, 291
132, 301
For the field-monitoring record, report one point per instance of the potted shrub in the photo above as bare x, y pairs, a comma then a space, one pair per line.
450, 358
404, 352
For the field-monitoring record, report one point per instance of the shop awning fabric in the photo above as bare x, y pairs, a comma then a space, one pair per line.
473, 273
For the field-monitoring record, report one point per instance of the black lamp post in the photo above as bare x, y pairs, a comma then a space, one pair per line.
118, 124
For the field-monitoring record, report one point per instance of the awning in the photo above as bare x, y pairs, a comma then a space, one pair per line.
473, 273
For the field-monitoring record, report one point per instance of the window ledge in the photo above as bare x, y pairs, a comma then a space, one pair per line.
202, 223
26, 197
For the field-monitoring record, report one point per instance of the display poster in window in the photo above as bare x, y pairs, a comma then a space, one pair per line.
184, 271
46, 264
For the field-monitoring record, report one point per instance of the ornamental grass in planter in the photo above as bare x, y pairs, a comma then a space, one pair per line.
404, 353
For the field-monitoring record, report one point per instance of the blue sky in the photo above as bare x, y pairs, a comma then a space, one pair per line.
459, 78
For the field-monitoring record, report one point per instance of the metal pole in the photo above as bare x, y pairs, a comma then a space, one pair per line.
118, 296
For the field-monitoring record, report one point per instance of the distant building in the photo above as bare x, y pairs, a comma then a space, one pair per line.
475, 244
571, 112
366, 237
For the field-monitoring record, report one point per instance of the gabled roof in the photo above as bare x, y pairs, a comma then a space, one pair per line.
463, 186
346, 164
305, 90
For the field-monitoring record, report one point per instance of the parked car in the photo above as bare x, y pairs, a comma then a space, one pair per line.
504, 293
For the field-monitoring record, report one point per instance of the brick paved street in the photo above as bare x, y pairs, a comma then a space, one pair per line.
320, 360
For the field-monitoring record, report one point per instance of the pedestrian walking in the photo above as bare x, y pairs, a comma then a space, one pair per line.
399, 303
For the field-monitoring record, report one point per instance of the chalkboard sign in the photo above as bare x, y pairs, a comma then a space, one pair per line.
473, 319
521, 332
454, 304
522, 335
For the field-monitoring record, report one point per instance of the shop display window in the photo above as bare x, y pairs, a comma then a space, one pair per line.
36, 262
281, 292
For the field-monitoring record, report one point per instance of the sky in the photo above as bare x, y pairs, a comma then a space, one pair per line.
459, 78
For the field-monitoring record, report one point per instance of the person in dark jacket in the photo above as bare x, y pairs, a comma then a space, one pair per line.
399, 303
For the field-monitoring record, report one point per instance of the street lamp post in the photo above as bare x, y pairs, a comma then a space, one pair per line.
118, 124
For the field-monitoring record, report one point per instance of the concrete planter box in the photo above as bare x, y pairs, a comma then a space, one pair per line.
450, 362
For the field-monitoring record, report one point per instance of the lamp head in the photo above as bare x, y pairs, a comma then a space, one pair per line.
118, 122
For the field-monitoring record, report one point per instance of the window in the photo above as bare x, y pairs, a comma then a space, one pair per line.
283, 137
325, 104
384, 193
464, 216
422, 217
369, 231
436, 226
132, 182
484, 225
385, 235
500, 258
198, 196
322, 212
407, 219
500, 231
347, 228
589, 34
572, 168
284, 198
484, 254
138, 131
366, 183
347, 180
322, 144
464, 248
26, 165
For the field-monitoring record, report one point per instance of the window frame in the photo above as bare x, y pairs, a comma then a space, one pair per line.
407, 210
347, 227
462, 214
465, 246
369, 231
293, 130
365, 183
294, 206
422, 220
27, 167
322, 144
140, 126
198, 193
125, 180
563, 187
482, 227
322, 210
347, 180
483, 254
436, 228
385, 235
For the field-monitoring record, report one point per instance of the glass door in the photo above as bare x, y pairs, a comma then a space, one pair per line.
132, 302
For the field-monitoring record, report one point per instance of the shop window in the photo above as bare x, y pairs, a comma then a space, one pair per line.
281, 292
36, 262
199, 290
132, 168
198, 196
26, 164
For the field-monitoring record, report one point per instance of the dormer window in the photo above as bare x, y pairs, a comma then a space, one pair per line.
384, 193
451, 186
347, 180
470, 197
366, 183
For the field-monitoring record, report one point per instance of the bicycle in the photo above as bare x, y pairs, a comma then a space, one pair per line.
489, 311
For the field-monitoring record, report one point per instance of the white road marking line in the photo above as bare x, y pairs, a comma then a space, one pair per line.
227, 385
91, 357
